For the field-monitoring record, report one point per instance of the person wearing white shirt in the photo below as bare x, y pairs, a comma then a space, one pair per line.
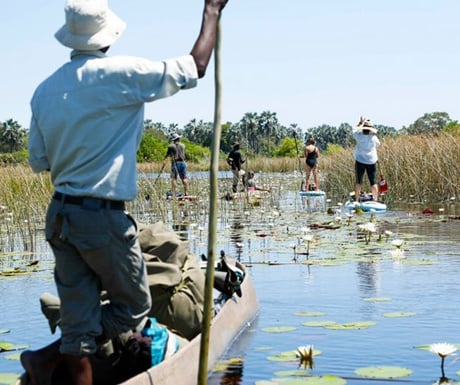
366, 157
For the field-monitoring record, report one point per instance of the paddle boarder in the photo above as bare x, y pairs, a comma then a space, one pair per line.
366, 156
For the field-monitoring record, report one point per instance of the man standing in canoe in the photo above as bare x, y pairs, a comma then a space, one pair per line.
176, 151
86, 126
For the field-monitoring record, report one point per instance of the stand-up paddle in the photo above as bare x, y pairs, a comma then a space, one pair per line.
302, 184
383, 186
159, 174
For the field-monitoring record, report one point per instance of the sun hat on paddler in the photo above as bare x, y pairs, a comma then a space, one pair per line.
175, 136
367, 125
89, 25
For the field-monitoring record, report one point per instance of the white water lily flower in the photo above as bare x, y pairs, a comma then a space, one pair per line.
443, 349
308, 237
388, 233
369, 227
305, 229
397, 242
306, 354
239, 245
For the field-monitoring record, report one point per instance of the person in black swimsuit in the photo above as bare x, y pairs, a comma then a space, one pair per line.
311, 159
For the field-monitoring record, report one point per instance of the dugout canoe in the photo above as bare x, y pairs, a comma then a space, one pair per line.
235, 316
182, 368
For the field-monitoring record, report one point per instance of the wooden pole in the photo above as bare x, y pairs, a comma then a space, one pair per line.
212, 226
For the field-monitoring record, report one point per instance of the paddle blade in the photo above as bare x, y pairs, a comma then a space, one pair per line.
383, 186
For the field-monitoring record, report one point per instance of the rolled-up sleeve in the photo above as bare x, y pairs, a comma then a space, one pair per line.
37, 155
158, 80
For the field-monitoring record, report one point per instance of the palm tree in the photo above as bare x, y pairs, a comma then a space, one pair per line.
13, 135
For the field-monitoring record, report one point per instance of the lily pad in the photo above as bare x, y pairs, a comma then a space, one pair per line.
377, 299
9, 378
383, 372
352, 325
291, 355
313, 380
418, 262
263, 348
322, 323
8, 346
309, 314
292, 373
279, 329
399, 314
13, 357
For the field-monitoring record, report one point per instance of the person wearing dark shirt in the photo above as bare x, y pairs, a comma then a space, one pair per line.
235, 160
176, 151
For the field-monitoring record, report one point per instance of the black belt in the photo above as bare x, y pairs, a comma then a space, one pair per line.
89, 202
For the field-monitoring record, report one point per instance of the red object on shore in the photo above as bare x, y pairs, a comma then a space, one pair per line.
383, 186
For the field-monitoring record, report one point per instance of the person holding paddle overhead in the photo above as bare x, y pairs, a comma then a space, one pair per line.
86, 126
366, 156
176, 151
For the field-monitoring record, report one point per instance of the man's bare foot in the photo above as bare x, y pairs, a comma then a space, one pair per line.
38, 370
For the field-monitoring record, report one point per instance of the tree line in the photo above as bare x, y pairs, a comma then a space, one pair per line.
260, 134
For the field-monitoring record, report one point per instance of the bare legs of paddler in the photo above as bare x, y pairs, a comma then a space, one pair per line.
314, 171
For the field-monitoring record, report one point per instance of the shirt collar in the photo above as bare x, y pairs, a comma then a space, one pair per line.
76, 53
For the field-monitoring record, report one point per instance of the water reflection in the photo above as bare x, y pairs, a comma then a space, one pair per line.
337, 290
368, 278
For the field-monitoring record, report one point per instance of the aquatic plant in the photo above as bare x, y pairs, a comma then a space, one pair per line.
443, 350
305, 354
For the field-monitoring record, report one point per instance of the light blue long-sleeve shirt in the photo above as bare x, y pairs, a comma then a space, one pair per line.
87, 119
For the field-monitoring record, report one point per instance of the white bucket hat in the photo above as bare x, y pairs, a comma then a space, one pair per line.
89, 25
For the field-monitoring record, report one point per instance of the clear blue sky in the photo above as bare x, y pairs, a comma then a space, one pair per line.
310, 61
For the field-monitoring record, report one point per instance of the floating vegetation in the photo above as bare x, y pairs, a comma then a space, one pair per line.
322, 323
290, 356
399, 314
13, 357
419, 262
292, 373
383, 372
352, 325
309, 380
9, 378
263, 348
309, 313
428, 346
8, 346
279, 329
377, 299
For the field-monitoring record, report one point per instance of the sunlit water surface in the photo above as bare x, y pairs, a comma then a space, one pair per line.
425, 281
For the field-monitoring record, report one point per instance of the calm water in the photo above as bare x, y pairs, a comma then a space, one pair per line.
424, 282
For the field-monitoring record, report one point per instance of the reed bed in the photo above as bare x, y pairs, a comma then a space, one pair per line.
416, 168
